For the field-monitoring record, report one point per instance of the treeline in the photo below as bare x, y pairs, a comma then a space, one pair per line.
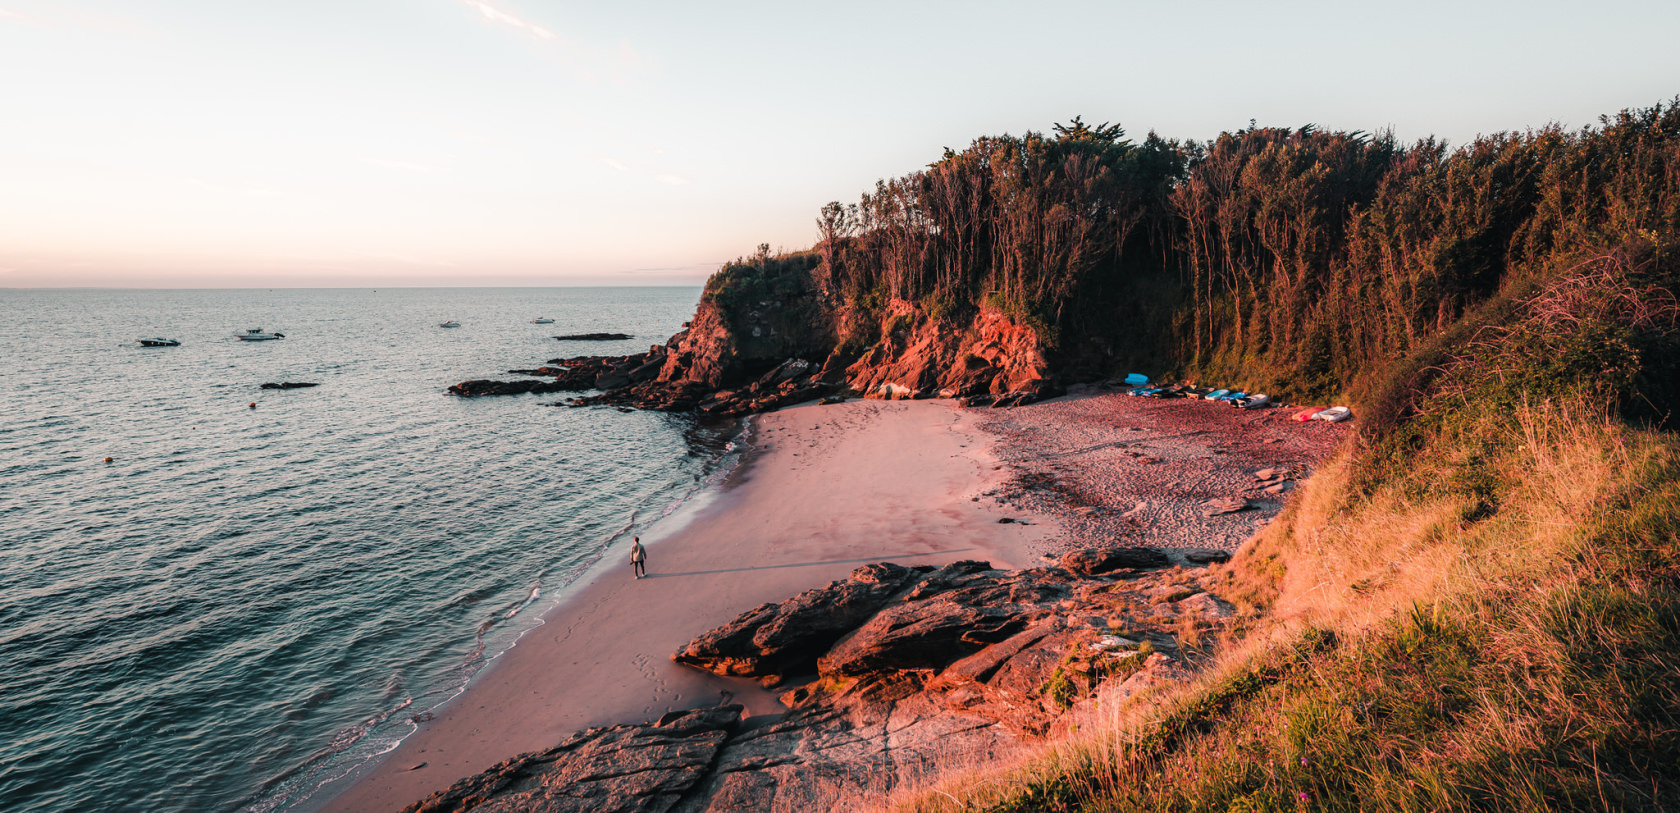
1299, 260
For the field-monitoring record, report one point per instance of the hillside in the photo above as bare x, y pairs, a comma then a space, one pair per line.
1474, 606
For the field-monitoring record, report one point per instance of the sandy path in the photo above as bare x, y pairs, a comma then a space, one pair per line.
858, 482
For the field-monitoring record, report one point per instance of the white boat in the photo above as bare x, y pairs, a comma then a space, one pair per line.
450, 323
256, 334
1255, 401
1334, 414
542, 320
158, 342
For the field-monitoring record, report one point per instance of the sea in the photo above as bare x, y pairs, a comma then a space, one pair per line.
262, 590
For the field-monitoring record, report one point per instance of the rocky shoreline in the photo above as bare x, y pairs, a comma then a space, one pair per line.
731, 364
892, 676
901, 671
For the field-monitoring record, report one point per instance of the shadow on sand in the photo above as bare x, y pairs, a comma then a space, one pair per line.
883, 558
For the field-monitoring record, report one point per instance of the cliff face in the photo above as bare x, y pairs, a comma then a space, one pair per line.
917, 356
727, 346
767, 335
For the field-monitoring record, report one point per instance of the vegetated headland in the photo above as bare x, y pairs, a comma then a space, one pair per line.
1471, 605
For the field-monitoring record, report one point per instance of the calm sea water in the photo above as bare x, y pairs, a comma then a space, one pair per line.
249, 602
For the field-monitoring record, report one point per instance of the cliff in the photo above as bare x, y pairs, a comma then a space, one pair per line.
765, 335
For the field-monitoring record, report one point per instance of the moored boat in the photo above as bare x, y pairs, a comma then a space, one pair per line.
450, 323
257, 334
542, 320
158, 342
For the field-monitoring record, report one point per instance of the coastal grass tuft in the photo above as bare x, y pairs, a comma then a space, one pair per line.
1495, 628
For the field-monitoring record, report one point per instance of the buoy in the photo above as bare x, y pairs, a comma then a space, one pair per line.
107, 460
253, 404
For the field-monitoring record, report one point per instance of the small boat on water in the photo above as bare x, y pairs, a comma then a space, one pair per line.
450, 323
257, 334
158, 342
542, 320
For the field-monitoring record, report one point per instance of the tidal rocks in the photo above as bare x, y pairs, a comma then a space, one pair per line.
1092, 561
793, 381
289, 385
477, 387
594, 337
567, 375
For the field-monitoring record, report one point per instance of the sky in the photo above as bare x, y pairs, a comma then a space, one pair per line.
210, 143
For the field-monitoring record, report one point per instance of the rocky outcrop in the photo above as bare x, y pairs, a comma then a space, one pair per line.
578, 374
899, 673
839, 757
621, 769
750, 350
787, 638
1091, 561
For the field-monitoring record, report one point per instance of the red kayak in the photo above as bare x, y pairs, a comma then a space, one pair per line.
1308, 415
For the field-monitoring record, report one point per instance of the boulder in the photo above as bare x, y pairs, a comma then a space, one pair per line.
787, 638
1091, 561
919, 635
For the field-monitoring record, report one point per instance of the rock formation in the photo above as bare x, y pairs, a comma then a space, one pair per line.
895, 674
757, 343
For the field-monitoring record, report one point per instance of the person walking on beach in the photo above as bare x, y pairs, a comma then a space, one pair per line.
638, 557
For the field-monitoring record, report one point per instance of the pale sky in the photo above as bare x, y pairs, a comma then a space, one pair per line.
234, 143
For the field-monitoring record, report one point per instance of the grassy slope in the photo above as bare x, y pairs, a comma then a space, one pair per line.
1426, 641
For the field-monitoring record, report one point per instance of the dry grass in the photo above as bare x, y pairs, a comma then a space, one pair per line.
1496, 629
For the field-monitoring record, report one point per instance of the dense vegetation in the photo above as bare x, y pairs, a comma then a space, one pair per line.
1298, 261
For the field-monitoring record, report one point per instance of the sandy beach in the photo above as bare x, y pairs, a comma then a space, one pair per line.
858, 482
824, 490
